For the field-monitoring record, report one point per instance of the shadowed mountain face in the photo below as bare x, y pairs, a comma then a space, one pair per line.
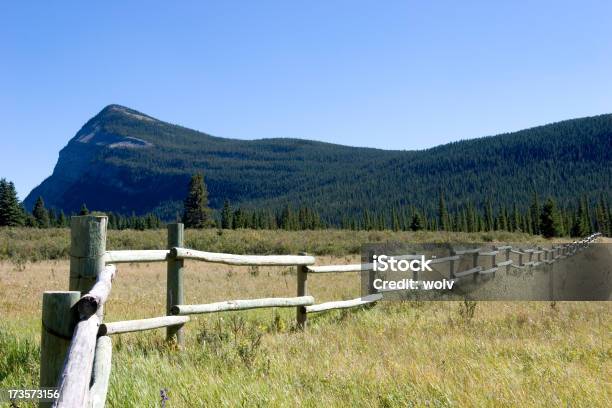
123, 160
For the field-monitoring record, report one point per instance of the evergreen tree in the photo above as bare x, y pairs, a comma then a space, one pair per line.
52, 218
40, 213
84, 210
581, 227
443, 218
226, 216
196, 212
601, 216
535, 214
550, 223
488, 216
11, 211
516, 218
288, 219
61, 219
417, 223
395, 220
239, 219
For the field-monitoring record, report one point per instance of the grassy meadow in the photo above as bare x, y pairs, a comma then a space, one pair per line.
21, 245
430, 354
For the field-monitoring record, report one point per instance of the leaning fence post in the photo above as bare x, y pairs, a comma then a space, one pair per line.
87, 249
302, 290
59, 318
174, 282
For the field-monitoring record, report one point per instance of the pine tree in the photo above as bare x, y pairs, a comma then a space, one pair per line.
197, 214
238, 219
289, 219
40, 213
550, 224
395, 220
516, 218
601, 216
417, 223
443, 218
472, 223
61, 219
581, 226
52, 218
535, 214
587, 214
226, 216
84, 210
489, 217
11, 211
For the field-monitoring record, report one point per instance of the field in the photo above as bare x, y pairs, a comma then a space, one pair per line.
31, 244
392, 354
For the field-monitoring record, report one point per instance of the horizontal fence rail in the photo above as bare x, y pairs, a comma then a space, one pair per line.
125, 256
74, 332
128, 326
336, 268
344, 304
248, 260
230, 305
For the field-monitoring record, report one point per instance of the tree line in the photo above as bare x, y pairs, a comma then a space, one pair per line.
546, 219
539, 218
13, 214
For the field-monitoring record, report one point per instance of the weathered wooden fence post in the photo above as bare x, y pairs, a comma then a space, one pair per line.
302, 290
87, 250
174, 282
475, 256
58, 320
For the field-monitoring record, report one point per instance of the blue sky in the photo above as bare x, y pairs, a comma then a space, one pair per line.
394, 75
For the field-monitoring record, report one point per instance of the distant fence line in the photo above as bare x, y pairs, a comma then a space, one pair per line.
76, 348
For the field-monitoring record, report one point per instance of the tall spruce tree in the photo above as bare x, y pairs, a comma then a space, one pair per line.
443, 218
197, 214
40, 213
516, 218
581, 225
417, 222
550, 223
226, 216
61, 219
489, 216
535, 214
11, 211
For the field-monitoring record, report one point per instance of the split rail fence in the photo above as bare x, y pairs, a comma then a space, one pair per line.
76, 347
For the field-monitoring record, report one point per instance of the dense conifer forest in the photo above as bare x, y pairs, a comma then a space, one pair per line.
541, 217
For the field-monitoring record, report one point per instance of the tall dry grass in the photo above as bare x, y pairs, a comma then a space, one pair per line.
401, 354
29, 244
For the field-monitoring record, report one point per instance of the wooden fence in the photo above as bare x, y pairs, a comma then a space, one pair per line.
76, 346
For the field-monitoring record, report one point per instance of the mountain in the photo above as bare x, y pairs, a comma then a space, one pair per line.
126, 161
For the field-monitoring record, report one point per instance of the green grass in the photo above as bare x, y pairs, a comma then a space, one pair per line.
393, 354
29, 244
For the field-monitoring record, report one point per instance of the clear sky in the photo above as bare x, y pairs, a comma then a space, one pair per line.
388, 74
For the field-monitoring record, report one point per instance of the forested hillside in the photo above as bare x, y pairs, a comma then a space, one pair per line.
125, 161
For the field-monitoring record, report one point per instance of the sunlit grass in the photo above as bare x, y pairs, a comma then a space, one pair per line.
393, 354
